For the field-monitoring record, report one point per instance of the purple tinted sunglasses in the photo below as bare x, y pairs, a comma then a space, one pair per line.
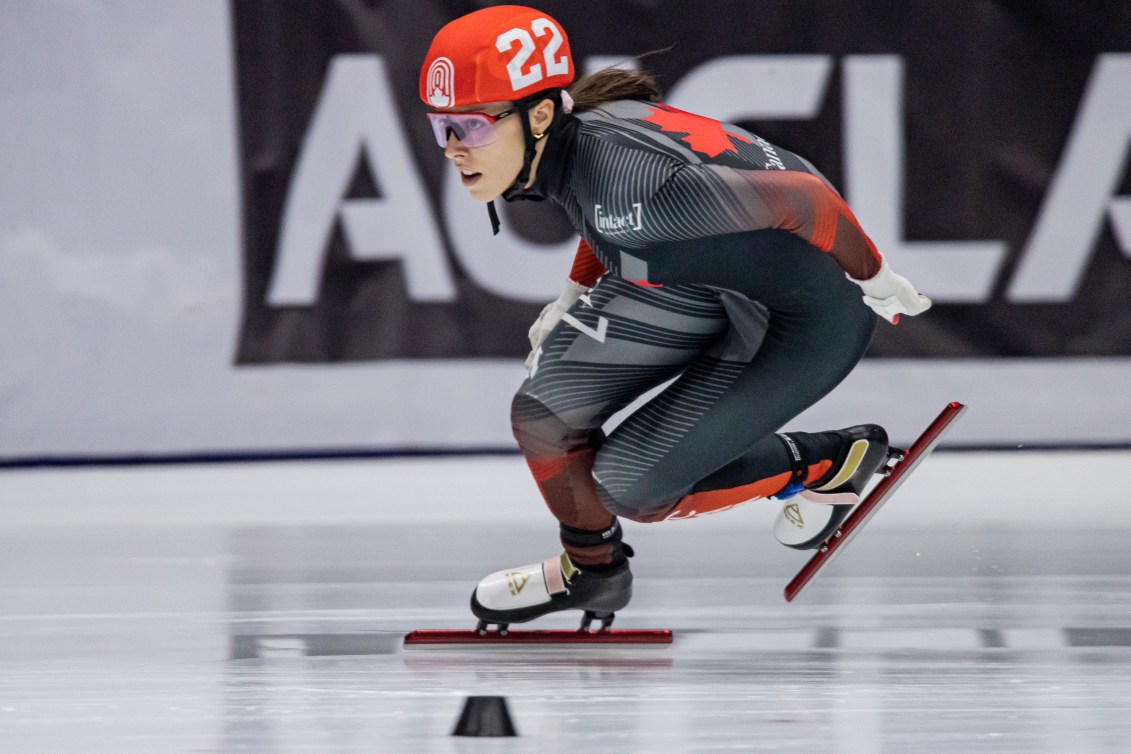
470, 129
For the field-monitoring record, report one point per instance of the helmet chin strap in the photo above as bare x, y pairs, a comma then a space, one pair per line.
493, 214
527, 162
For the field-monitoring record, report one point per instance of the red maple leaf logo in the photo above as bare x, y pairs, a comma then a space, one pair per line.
703, 134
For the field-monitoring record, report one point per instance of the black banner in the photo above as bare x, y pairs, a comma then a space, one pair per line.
1015, 128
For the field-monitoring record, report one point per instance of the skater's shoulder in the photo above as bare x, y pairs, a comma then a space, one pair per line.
623, 125
614, 146
617, 113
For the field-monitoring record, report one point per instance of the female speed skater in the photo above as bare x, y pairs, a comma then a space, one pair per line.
708, 257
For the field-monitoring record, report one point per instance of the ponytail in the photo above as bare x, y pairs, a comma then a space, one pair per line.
610, 85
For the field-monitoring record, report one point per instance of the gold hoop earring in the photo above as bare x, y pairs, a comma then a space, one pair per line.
538, 136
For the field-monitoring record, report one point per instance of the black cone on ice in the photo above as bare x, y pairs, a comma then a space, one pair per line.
485, 716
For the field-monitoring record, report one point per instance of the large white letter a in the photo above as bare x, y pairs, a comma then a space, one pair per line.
1082, 192
356, 116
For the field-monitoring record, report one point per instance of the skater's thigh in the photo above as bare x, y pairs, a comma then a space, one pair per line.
722, 406
617, 342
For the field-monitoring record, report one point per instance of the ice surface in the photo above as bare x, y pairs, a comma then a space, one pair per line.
236, 631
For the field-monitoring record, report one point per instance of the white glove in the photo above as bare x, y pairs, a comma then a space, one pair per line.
548, 320
890, 294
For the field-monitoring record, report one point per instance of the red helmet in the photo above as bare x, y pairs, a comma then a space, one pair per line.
498, 54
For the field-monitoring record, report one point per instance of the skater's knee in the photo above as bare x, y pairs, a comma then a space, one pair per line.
526, 412
539, 431
636, 502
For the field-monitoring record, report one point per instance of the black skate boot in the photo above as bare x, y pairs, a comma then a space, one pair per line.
810, 518
522, 594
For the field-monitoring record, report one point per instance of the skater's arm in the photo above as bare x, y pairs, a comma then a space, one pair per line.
587, 269
727, 200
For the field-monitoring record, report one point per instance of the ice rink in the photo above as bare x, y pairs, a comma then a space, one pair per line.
260, 607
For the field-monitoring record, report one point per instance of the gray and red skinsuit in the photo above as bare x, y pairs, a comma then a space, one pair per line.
717, 259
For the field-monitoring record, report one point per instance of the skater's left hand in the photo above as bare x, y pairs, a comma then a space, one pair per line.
549, 318
890, 294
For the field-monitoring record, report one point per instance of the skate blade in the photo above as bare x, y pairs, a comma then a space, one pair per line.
893, 477
620, 636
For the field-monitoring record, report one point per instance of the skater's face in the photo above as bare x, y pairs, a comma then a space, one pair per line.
489, 156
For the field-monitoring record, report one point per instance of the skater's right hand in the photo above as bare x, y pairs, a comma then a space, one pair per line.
890, 294
549, 318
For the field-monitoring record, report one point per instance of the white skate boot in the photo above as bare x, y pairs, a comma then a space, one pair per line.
517, 595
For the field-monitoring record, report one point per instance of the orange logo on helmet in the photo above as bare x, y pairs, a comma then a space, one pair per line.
441, 77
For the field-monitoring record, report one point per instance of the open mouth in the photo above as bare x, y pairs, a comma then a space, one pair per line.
469, 178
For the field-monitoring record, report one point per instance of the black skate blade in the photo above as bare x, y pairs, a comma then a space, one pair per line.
620, 636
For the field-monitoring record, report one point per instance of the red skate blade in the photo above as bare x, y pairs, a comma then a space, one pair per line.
875, 499
494, 638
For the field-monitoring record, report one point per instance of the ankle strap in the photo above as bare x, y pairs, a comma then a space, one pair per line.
797, 464
589, 538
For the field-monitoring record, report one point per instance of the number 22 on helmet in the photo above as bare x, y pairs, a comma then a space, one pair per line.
500, 54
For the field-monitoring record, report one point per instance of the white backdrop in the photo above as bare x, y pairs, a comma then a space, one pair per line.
120, 281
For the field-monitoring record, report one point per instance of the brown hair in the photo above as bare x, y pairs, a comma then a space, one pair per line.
610, 85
